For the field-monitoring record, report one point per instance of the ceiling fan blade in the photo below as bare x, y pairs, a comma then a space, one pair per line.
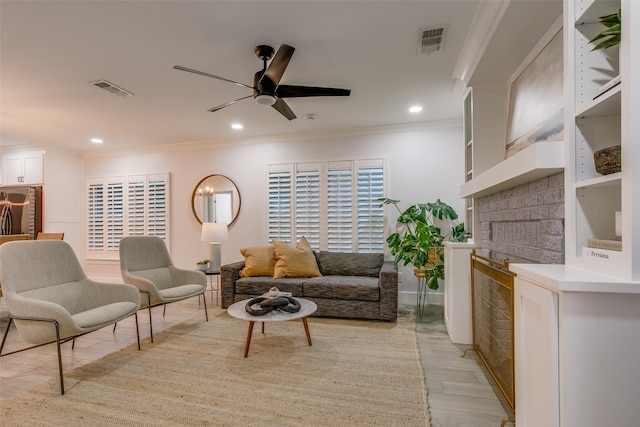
284, 109
202, 73
286, 91
220, 107
279, 63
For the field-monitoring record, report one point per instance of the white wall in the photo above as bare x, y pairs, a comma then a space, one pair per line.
422, 166
64, 196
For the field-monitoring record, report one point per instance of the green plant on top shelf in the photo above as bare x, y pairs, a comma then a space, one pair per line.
611, 36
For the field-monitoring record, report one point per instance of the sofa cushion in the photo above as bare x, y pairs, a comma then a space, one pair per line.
295, 262
258, 261
349, 263
260, 285
360, 288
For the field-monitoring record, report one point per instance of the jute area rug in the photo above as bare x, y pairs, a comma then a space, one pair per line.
357, 373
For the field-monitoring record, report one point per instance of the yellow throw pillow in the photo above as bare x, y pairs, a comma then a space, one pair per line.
258, 261
295, 262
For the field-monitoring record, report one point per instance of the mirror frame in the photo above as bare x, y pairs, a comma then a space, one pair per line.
195, 191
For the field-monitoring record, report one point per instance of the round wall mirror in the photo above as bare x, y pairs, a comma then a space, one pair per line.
216, 199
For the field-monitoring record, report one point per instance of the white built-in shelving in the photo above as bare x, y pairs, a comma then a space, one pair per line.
596, 121
577, 326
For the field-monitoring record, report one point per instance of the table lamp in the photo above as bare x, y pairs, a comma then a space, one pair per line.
214, 233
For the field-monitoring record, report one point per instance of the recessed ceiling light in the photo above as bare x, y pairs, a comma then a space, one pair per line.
237, 126
97, 140
415, 109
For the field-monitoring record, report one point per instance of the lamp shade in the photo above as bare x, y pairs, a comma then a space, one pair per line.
214, 232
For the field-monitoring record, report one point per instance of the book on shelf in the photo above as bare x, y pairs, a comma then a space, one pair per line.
612, 245
602, 255
608, 86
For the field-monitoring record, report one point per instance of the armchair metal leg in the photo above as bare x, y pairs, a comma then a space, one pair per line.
137, 329
206, 315
58, 342
150, 324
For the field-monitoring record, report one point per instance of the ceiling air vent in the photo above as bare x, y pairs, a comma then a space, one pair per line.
432, 39
111, 88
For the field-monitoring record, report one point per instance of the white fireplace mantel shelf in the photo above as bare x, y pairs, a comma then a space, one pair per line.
534, 162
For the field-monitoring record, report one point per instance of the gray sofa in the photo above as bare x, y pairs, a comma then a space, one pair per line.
352, 285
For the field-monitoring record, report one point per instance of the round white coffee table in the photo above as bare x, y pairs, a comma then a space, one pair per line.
237, 310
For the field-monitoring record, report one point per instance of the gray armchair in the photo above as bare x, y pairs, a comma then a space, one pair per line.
50, 299
146, 264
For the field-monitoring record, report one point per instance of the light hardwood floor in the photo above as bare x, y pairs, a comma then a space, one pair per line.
459, 392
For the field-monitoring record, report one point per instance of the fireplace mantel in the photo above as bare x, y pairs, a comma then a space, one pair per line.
534, 162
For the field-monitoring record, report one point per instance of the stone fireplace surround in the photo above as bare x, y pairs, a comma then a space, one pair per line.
525, 223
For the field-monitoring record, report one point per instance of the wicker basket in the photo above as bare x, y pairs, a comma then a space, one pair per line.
608, 160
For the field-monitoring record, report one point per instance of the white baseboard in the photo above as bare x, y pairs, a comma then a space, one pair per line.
409, 298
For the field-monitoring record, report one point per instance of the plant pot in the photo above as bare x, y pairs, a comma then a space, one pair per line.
608, 160
202, 267
434, 259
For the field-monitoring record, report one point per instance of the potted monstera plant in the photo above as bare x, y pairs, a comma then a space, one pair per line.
424, 227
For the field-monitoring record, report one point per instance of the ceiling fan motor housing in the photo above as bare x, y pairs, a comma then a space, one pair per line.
264, 92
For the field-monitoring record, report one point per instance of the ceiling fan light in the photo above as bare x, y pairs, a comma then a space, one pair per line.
265, 99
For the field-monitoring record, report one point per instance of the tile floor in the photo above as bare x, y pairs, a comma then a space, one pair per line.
459, 392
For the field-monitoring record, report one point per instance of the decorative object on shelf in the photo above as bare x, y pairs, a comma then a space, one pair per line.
608, 86
610, 245
267, 305
612, 35
203, 265
215, 199
420, 243
608, 160
214, 233
536, 101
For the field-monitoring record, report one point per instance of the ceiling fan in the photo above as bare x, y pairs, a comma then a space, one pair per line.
266, 87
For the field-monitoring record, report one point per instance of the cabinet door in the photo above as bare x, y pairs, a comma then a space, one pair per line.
32, 168
536, 355
11, 168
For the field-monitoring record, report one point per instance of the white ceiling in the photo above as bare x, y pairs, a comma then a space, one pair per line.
50, 51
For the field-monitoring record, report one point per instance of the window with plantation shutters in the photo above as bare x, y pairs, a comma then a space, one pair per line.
333, 204
125, 206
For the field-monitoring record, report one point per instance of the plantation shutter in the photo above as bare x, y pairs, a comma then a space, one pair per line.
307, 210
370, 216
114, 214
340, 206
95, 217
279, 202
136, 206
157, 212
125, 206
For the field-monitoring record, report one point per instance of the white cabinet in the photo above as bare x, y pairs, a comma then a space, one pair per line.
577, 346
536, 355
597, 120
457, 292
22, 168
